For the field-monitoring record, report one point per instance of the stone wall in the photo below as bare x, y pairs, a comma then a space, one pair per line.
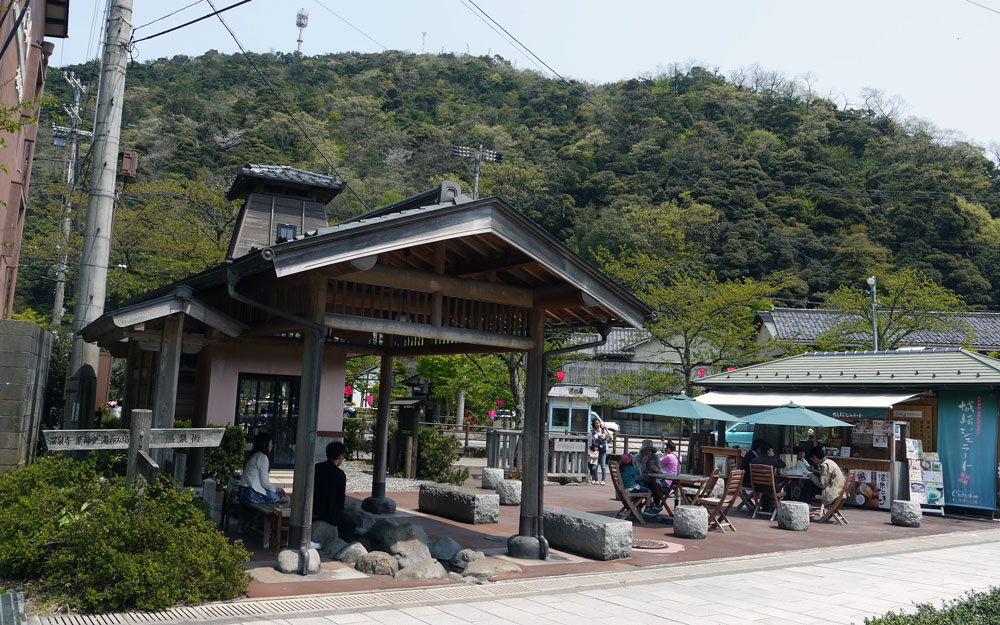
24, 367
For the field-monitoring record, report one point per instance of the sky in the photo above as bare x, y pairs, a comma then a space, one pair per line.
937, 56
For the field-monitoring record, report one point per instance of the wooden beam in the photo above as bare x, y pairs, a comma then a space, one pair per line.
506, 263
448, 349
448, 285
421, 330
563, 296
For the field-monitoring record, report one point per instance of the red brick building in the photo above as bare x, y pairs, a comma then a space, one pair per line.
23, 62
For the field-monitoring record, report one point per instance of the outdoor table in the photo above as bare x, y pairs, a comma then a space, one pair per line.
678, 481
790, 479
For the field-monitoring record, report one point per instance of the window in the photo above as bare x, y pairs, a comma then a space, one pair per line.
560, 417
286, 232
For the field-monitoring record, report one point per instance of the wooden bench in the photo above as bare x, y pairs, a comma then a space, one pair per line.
276, 520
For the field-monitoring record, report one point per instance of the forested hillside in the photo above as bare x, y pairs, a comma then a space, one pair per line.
841, 193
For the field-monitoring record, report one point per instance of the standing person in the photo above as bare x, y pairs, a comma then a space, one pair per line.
826, 480
255, 487
648, 463
592, 456
329, 491
599, 436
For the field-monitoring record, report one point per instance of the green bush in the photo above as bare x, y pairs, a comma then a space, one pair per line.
976, 608
436, 453
352, 437
227, 459
90, 543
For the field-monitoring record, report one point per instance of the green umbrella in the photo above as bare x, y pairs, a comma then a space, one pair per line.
683, 407
794, 414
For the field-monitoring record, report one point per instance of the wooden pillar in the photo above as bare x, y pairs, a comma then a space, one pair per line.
378, 503
166, 378
313, 340
528, 542
196, 455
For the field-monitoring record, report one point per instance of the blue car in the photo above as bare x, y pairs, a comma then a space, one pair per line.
739, 435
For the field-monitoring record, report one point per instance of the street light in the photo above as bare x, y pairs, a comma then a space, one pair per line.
871, 283
478, 154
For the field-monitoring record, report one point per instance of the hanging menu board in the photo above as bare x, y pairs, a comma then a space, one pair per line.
926, 476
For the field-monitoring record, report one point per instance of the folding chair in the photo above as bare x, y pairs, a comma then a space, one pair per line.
833, 512
761, 484
719, 507
706, 487
632, 503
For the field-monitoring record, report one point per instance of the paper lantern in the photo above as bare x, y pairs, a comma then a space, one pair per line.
492, 413
560, 375
701, 372
499, 403
730, 368
348, 389
370, 399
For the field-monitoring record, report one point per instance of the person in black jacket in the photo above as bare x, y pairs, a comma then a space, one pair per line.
329, 490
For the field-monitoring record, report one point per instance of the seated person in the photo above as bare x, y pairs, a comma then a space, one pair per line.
748, 458
766, 456
827, 480
255, 487
671, 461
801, 464
630, 473
648, 463
329, 490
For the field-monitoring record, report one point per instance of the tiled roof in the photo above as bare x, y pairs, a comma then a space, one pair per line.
621, 341
902, 368
282, 174
805, 325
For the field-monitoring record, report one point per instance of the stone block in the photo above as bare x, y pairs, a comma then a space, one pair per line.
691, 522
793, 515
906, 513
491, 477
460, 504
509, 492
591, 535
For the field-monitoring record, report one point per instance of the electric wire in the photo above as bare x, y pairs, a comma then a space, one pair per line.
983, 6
172, 13
370, 38
643, 143
194, 21
288, 110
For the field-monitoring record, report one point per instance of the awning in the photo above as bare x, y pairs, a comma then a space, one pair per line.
836, 405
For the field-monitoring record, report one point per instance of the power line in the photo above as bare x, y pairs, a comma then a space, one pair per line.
614, 120
288, 111
168, 15
352, 26
203, 17
983, 6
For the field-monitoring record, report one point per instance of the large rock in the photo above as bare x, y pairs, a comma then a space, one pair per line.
377, 563
290, 561
591, 535
444, 548
362, 520
906, 513
410, 552
380, 530
460, 504
352, 553
492, 477
334, 546
389, 534
691, 522
379, 505
461, 560
488, 567
323, 531
509, 492
428, 569
793, 515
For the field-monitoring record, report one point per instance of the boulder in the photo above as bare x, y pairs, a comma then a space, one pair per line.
906, 513
492, 477
444, 548
488, 567
323, 531
509, 492
362, 520
691, 522
410, 552
377, 563
464, 558
428, 569
793, 515
352, 553
379, 505
334, 546
290, 561
378, 531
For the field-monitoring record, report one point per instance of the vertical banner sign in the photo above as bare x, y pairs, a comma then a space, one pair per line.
967, 445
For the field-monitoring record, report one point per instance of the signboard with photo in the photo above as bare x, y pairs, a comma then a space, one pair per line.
926, 475
871, 489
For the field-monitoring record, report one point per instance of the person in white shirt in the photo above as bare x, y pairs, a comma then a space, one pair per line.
255, 487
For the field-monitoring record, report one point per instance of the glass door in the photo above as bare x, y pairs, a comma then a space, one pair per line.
268, 403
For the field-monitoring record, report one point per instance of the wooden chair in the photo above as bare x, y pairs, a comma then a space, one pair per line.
832, 513
719, 507
706, 487
231, 505
762, 484
632, 503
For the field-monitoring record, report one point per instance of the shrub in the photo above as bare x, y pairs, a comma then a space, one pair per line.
352, 436
436, 453
95, 545
975, 608
227, 459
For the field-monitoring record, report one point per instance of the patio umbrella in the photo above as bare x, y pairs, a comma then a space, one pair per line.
794, 414
683, 407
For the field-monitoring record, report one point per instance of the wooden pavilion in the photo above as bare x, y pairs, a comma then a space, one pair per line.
436, 273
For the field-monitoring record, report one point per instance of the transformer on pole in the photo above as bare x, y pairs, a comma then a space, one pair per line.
301, 21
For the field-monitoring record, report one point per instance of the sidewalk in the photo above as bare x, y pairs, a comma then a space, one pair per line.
841, 584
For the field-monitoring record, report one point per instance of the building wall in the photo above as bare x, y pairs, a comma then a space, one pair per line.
24, 366
22, 76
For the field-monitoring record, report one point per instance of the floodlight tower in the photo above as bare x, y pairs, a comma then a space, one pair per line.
478, 154
301, 21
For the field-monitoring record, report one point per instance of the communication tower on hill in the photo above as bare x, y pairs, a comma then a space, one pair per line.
301, 20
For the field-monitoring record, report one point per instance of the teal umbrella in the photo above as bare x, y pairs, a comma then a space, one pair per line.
683, 407
794, 414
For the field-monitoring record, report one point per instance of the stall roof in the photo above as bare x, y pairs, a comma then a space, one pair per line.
838, 405
905, 369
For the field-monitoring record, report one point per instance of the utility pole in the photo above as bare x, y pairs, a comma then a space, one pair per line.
477, 154
60, 134
81, 383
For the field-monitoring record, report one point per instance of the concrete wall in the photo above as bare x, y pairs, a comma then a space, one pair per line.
24, 367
